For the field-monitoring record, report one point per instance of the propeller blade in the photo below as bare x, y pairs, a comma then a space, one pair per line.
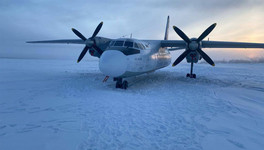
206, 32
82, 54
206, 57
79, 34
180, 58
98, 28
182, 34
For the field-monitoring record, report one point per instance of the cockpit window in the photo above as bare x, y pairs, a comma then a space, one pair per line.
136, 45
141, 46
128, 44
111, 43
119, 43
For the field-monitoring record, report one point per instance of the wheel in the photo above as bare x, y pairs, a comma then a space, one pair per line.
194, 75
118, 85
125, 85
187, 75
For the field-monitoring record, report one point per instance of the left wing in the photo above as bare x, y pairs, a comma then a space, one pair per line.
65, 41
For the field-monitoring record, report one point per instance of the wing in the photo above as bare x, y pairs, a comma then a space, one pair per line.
173, 43
178, 44
222, 44
65, 41
176, 48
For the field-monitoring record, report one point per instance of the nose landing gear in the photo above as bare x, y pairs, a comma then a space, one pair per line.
120, 83
191, 75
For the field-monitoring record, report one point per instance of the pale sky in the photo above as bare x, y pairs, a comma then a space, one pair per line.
26, 20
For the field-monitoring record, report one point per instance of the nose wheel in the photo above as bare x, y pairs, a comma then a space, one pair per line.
120, 83
191, 75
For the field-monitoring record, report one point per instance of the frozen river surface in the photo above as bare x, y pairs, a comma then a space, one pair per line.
61, 105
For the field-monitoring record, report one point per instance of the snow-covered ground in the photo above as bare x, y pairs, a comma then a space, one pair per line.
62, 105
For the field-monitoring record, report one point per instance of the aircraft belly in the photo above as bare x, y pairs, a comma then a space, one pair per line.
163, 61
138, 64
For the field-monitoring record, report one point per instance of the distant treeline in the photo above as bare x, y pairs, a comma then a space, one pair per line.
259, 60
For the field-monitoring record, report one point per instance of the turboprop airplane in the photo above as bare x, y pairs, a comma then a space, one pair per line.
126, 57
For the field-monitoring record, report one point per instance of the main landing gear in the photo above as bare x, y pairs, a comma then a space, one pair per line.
120, 83
191, 75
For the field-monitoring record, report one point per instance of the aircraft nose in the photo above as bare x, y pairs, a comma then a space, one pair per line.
113, 63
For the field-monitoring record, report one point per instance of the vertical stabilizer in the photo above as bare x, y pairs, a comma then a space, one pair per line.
167, 28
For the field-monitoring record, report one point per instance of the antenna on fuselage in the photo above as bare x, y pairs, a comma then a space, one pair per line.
127, 35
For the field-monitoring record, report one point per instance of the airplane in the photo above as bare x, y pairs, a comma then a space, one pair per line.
126, 57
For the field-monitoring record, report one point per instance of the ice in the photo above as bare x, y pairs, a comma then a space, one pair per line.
59, 104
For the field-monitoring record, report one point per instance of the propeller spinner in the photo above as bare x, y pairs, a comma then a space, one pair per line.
89, 43
194, 45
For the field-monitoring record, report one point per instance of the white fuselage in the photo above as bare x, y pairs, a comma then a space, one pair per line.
115, 64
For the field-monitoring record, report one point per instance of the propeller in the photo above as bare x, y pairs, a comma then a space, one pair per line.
194, 45
90, 42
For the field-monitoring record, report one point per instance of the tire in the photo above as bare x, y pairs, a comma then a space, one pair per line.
194, 75
125, 85
187, 75
117, 85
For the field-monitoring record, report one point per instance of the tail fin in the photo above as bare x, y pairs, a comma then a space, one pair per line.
167, 28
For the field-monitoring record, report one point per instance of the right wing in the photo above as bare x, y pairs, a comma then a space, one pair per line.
178, 44
222, 44
65, 41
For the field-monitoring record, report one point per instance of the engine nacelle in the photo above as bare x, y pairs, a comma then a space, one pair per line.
101, 43
94, 53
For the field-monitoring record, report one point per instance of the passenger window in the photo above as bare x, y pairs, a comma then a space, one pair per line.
119, 43
128, 44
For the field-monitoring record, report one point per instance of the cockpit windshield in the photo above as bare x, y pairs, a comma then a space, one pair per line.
119, 43
127, 44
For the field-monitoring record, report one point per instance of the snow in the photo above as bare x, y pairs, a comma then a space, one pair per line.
59, 104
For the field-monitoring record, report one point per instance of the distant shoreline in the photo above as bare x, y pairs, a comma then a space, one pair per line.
238, 61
